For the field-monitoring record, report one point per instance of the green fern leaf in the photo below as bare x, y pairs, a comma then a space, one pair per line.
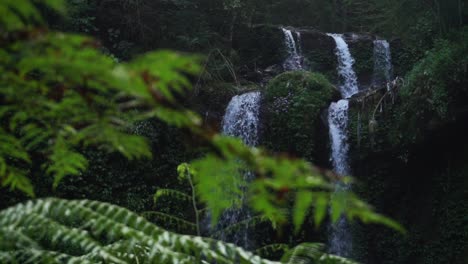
173, 194
311, 253
89, 232
65, 162
272, 250
171, 222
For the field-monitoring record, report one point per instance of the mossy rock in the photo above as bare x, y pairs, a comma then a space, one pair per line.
319, 52
210, 101
433, 96
259, 46
292, 108
362, 50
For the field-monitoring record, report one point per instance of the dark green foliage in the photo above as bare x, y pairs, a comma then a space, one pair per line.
309, 253
434, 174
293, 104
362, 52
414, 155
432, 95
60, 95
440, 79
260, 46
59, 231
63, 99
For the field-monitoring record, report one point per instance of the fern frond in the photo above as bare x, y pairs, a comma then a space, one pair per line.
166, 74
310, 253
113, 138
19, 15
65, 162
11, 147
15, 178
173, 194
170, 222
88, 231
271, 250
32, 136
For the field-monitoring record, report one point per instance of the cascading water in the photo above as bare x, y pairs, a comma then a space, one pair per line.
383, 69
349, 84
338, 124
295, 59
340, 241
241, 117
340, 237
240, 120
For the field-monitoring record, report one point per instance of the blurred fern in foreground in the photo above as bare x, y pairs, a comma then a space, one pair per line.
87, 231
59, 94
61, 231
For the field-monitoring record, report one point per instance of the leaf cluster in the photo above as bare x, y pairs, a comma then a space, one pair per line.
60, 94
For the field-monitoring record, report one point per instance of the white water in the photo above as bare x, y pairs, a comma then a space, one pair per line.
383, 69
240, 120
340, 238
295, 59
338, 124
242, 117
349, 83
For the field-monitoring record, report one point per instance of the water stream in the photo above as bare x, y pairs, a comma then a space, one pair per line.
295, 59
340, 241
240, 120
383, 69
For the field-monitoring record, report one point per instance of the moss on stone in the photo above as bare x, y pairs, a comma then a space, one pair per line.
292, 107
322, 61
260, 46
319, 52
362, 51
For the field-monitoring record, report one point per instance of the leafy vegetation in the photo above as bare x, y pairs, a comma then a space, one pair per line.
66, 95
59, 231
287, 98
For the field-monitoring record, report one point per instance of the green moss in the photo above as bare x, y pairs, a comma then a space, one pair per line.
321, 60
434, 94
293, 103
413, 166
363, 54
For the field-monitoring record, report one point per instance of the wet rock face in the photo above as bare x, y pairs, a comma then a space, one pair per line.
211, 100
319, 51
362, 50
291, 115
259, 46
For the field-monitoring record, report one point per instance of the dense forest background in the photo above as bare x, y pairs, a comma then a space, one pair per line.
127, 27
409, 159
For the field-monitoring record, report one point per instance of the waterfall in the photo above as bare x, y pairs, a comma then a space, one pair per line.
349, 84
340, 238
383, 69
338, 124
240, 120
294, 60
340, 241
241, 117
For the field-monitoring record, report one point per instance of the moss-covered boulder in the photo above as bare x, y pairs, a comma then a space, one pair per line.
292, 109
